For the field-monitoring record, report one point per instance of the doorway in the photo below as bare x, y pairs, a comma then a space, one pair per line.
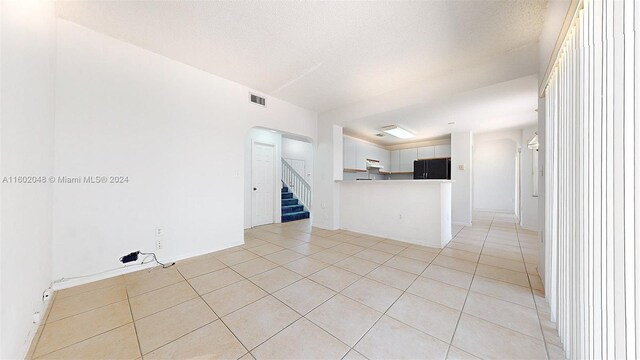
262, 183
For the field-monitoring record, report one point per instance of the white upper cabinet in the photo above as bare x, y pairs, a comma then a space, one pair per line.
407, 157
395, 161
349, 153
442, 151
426, 152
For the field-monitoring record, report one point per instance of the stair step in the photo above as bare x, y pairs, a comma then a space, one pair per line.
292, 208
287, 195
285, 189
287, 202
295, 216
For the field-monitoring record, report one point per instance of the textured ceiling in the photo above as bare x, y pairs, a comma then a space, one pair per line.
510, 104
319, 55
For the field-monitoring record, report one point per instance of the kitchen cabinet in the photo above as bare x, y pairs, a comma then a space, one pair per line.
407, 157
426, 152
442, 151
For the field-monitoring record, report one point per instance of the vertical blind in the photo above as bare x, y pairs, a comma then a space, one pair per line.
592, 178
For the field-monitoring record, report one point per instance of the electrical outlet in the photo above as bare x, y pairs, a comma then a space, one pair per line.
159, 244
159, 231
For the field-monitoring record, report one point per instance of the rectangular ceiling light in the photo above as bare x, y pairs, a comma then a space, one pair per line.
398, 132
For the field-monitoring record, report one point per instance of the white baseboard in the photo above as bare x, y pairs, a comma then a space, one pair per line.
71, 282
460, 223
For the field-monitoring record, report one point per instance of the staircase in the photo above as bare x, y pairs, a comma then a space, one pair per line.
291, 209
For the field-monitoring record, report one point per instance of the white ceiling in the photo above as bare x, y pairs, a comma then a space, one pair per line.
325, 55
510, 104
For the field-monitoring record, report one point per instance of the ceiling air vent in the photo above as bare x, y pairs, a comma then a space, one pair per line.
379, 134
257, 99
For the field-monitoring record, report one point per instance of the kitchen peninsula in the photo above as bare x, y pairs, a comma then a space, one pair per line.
414, 211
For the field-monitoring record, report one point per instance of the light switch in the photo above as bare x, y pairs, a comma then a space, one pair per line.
460, 167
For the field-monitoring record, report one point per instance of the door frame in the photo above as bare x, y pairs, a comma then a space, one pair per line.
276, 194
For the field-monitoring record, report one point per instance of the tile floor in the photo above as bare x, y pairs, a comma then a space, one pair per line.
296, 292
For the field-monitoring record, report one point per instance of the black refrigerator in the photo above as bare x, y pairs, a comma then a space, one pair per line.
432, 169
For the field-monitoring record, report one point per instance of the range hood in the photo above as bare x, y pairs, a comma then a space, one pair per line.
373, 164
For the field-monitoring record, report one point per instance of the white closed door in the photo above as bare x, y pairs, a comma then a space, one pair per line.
262, 179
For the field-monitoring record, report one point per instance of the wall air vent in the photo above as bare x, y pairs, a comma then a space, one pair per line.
259, 100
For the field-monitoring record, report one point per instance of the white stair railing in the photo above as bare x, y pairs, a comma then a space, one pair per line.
297, 184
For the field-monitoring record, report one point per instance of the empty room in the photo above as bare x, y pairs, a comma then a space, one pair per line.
439, 179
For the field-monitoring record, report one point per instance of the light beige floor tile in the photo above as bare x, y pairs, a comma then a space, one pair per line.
406, 264
354, 355
117, 280
457, 354
213, 341
375, 295
201, 265
325, 242
212, 281
275, 279
236, 257
304, 295
486, 340
375, 256
231, 298
259, 321
432, 318
329, 256
306, 266
388, 248
466, 247
556, 352
502, 290
348, 249
505, 254
161, 299
119, 343
444, 294
503, 263
510, 276
301, 340
391, 339
449, 276
59, 334
456, 264
253, 267
265, 249
161, 328
344, 318
284, 256
393, 277
513, 316
536, 282
335, 278
76, 304
149, 280
417, 254
357, 265
250, 243
307, 249
460, 254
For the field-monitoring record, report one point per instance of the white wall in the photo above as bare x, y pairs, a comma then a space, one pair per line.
27, 113
267, 137
299, 150
328, 161
461, 188
494, 171
529, 205
177, 132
